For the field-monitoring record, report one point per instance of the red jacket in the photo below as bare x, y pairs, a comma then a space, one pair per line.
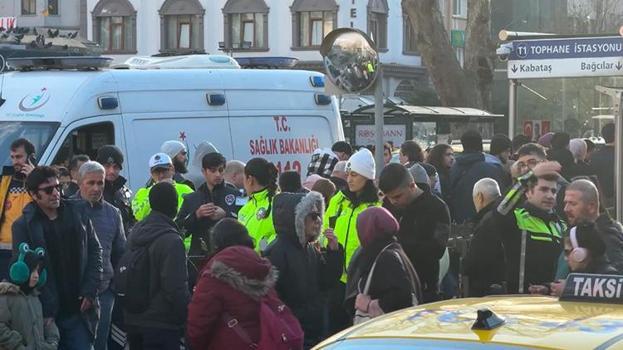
231, 283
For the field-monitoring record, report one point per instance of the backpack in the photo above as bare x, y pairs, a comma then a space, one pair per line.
132, 279
279, 328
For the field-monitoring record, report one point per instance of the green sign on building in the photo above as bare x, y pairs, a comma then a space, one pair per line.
457, 38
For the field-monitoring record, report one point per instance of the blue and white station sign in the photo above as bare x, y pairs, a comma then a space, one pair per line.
569, 57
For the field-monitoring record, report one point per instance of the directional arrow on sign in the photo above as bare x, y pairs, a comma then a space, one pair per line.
619, 66
514, 69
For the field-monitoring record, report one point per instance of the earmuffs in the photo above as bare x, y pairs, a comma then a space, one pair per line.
578, 254
20, 272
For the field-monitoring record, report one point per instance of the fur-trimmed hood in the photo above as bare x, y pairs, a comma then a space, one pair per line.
8, 288
244, 270
290, 211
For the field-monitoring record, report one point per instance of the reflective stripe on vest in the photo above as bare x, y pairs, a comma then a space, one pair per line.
538, 229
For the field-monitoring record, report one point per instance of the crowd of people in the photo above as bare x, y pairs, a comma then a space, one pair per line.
247, 257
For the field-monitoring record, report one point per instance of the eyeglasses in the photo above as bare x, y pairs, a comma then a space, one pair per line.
50, 189
531, 163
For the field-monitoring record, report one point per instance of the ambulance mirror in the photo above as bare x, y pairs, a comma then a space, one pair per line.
350, 59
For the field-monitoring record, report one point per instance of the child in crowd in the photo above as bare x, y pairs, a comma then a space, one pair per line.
21, 318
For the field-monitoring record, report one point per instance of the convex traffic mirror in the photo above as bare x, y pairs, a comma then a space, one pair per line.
350, 59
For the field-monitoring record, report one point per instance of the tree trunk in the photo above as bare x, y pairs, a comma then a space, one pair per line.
480, 50
451, 83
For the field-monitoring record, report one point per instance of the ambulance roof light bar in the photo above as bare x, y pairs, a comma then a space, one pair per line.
61, 63
180, 62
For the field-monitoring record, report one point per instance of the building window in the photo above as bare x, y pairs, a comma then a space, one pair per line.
29, 7
247, 31
377, 22
459, 8
181, 26
52, 7
409, 41
460, 55
246, 25
312, 20
313, 27
114, 26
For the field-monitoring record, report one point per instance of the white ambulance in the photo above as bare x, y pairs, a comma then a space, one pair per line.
281, 115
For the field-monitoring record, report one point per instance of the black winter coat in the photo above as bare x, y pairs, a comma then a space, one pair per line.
485, 262
305, 270
466, 171
222, 196
120, 195
29, 228
168, 288
391, 282
612, 233
602, 162
423, 234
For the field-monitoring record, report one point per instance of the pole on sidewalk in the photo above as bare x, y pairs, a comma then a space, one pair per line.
618, 155
379, 107
512, 107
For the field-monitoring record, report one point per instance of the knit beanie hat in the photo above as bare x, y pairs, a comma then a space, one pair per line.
109, 154
362, 162
419, 174
322, 162
311, 180
163, 199
172, 148
376, 223
205, 147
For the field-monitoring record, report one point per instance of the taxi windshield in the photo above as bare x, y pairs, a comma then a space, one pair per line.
39, 133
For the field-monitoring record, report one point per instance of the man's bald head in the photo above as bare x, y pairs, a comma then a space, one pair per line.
234, 173
485, 191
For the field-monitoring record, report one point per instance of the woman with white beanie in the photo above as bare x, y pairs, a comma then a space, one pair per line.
341, 219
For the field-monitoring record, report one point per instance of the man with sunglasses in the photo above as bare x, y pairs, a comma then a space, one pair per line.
179, 155
74, 257
161, 170
201, 210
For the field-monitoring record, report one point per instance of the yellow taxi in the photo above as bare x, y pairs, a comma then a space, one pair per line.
586, 316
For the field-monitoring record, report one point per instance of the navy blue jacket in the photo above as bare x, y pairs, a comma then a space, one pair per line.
466, 171
108, 225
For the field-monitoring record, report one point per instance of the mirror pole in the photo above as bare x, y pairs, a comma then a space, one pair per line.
378, 121
618, 155
512, 107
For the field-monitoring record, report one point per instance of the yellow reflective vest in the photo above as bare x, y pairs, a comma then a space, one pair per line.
257, 216
140, 203
340, 211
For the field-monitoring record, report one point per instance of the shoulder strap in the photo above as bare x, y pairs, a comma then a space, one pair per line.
369, 279
233, 323
413, 276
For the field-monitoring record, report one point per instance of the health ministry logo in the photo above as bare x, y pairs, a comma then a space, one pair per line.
34, 101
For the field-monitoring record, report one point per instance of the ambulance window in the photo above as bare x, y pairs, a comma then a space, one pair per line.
85, 140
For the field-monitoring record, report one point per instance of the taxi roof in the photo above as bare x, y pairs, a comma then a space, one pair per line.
536, 322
